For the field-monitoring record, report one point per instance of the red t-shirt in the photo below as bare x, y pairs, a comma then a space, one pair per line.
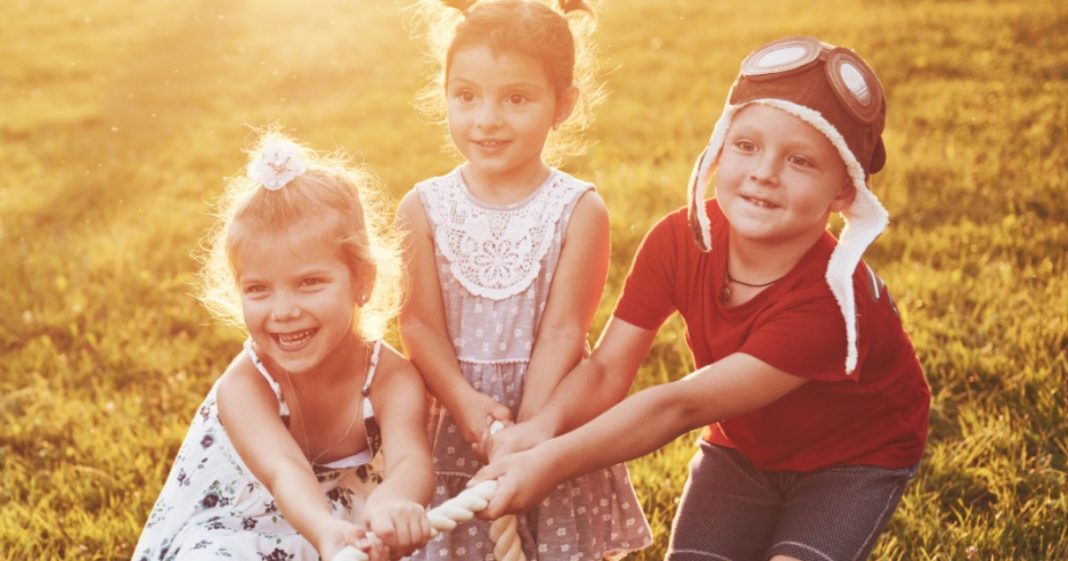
875, 416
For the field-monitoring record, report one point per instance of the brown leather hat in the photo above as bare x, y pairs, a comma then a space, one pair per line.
833, 81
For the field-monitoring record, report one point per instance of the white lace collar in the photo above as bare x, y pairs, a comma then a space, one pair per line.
495, 251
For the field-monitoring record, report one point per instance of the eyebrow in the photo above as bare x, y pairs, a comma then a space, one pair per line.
312, 272
753, 130
814, 149
511, 85
295, 273
743, 128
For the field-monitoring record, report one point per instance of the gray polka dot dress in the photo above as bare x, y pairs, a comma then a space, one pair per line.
496, 264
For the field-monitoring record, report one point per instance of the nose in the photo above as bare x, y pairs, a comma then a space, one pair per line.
489, 115
285, 308
767, 169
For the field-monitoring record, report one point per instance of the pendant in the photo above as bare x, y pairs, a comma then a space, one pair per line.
725, 294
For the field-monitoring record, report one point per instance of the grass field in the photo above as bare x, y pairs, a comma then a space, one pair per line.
119, 121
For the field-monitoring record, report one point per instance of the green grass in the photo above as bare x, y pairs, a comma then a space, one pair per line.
119, 121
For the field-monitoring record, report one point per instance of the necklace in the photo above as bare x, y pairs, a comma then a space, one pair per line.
304, 426
725, 292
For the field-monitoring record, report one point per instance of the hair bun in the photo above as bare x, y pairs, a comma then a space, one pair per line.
462, 5
568, 6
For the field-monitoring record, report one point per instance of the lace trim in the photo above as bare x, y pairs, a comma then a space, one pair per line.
473, 360
496, 252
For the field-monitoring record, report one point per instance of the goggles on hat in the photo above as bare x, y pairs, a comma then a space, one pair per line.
849, 76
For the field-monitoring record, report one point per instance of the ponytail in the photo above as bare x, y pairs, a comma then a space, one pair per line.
568, 6
463, 5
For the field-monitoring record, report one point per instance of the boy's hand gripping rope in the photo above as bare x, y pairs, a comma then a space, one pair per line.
461, 508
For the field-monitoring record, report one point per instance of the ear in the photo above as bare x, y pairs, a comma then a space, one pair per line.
565, 105
363, 285
846, 194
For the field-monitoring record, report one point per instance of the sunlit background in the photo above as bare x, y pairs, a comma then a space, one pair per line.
120, 120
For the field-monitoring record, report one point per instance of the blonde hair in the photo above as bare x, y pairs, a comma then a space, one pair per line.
562, 44
339, 202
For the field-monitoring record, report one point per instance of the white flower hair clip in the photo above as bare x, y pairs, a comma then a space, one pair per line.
276, 163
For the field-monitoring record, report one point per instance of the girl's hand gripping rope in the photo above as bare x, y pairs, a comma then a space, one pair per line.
401, 525
478, 412
351, 543
461, 508
515, 438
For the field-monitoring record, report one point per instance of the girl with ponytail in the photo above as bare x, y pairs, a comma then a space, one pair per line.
508, 257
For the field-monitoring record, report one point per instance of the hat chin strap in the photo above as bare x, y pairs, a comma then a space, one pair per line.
865, 218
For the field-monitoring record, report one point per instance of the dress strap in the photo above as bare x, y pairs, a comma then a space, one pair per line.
283, 409
372, 366
370, 423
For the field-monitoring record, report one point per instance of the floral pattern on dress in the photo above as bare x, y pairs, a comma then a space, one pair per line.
213, 507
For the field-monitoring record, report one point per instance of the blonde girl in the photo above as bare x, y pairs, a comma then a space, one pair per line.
312, 439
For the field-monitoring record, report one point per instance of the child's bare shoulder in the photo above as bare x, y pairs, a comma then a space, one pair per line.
241, 377
591, 203
392, 364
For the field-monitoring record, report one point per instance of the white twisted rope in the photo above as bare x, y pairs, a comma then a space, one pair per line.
461, 508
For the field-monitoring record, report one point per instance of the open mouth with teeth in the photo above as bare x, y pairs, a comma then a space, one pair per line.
295, 340
759, 202
491, 144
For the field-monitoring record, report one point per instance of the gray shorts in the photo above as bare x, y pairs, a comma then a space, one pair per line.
731, 511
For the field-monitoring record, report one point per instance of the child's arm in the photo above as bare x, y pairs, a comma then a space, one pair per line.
249, 411
594, 385
577, 286
425, 334
640, 424
395, 509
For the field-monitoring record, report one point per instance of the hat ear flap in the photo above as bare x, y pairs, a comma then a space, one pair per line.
700, 224
701, 176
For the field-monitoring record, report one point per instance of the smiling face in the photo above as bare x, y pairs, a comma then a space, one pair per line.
779, 178
298, 298
501, 107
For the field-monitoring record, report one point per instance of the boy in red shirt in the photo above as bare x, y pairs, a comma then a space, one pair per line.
814, 403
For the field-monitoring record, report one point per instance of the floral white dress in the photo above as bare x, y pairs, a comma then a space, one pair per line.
496, 264
213, 507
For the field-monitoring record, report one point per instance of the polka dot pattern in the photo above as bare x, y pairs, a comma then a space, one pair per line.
585, 519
